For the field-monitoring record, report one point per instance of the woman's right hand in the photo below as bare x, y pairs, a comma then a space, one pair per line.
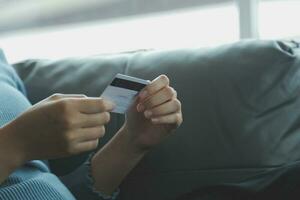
59, 126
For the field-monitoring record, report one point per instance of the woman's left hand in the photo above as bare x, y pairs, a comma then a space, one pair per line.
154, 115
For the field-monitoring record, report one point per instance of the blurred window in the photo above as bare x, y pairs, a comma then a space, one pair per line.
183, 28
279, 19
62, 28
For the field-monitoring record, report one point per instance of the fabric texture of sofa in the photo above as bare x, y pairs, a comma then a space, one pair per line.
241, 116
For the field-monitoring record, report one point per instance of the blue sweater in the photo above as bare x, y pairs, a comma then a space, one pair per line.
34, 180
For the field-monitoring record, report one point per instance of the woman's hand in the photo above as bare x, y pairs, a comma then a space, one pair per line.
153, 116
156, 112
60, 125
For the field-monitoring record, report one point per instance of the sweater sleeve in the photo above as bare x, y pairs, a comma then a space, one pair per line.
81, 184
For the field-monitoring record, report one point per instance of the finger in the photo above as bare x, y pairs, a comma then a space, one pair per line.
156, 85
159, 98
173, 119
87, 146
89, 134
59, 96
93, 105
167, 108
94, 120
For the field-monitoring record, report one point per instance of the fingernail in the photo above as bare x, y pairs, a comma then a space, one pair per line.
111, 105
154, 120
140, 108
148, 113
143, 94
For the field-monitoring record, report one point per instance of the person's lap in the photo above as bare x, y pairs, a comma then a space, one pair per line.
12, 103
12, 95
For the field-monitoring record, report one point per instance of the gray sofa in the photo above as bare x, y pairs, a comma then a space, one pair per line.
241, 109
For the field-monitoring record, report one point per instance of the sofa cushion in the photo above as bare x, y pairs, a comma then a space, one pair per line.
240, 105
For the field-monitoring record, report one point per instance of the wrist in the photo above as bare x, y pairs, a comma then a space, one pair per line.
14, 155
133, 144
111, 164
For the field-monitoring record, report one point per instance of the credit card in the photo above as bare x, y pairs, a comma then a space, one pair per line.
122, 91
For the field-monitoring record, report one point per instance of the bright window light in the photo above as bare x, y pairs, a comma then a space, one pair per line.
279, 19
178, 29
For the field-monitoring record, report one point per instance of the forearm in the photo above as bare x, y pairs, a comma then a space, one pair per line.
10, 157
114, 161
